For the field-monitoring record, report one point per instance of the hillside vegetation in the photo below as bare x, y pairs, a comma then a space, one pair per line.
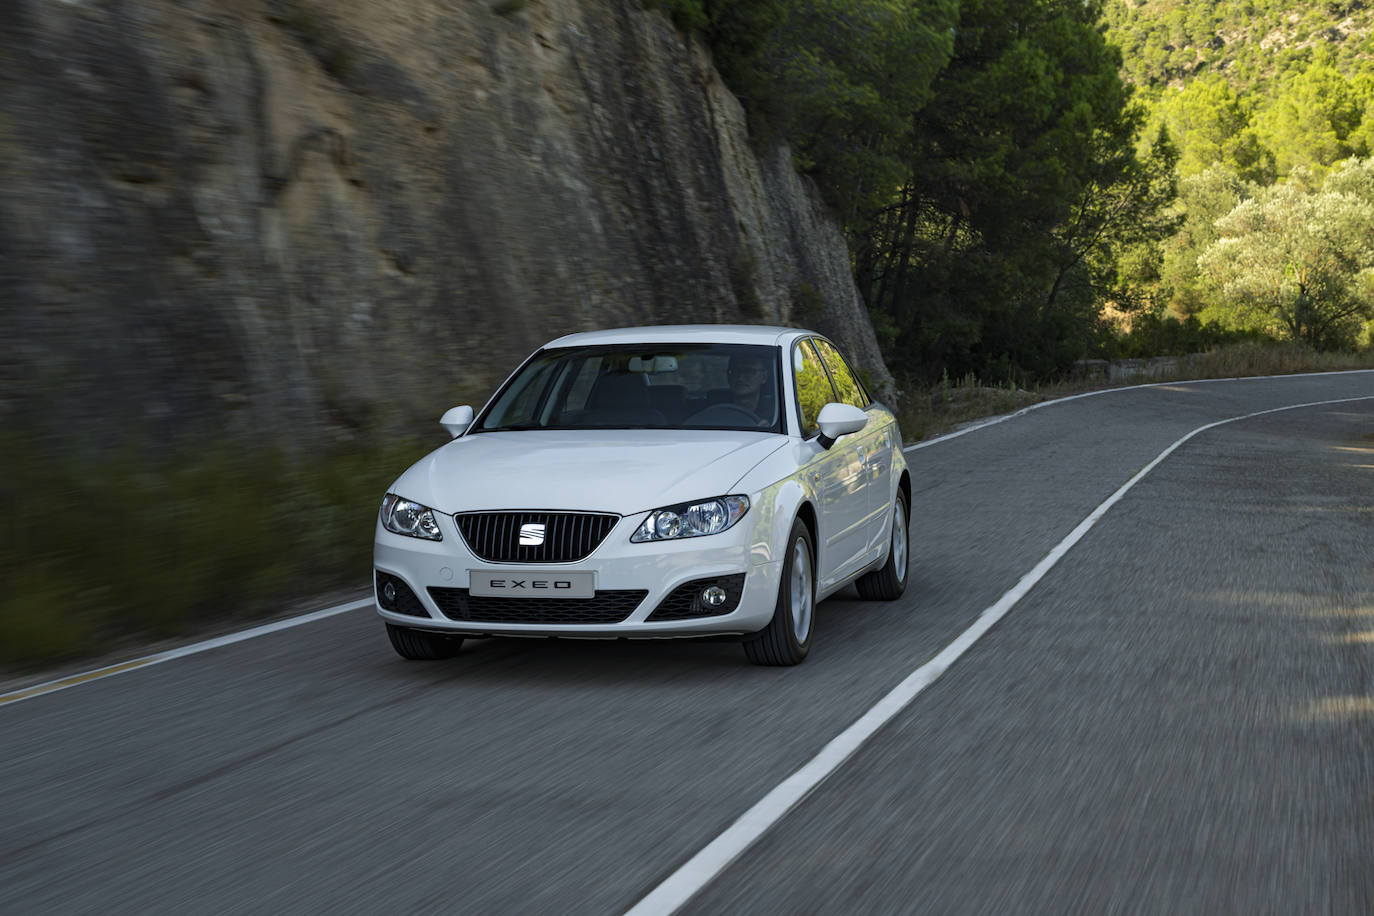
1271, 108
1251, 42
1024, 183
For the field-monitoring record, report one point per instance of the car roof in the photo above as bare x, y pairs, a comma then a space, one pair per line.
682, 333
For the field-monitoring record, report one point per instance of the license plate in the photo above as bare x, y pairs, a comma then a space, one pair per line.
532, 585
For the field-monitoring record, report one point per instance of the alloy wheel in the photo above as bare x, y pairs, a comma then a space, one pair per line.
899, 541
802, 595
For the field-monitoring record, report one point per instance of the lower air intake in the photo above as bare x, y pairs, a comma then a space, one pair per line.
605, 607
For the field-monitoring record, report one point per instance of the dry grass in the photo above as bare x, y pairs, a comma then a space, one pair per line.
928, 412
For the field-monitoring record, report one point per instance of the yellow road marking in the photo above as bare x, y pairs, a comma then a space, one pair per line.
75, 679
1356, 638
1342, 612
216, 642
1340, 708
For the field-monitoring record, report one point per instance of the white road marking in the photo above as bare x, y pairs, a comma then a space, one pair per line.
716, 856
993, 421
157, 658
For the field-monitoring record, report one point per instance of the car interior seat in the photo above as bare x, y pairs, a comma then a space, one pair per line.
622, 399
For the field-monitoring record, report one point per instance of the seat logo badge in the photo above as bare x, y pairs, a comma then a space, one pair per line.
531, 535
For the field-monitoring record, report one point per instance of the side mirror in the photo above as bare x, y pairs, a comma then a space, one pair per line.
836, 420
457, 420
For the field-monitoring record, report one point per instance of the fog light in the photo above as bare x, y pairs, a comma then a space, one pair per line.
713, 596
389, 593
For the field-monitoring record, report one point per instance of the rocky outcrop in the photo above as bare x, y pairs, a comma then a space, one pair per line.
307, 215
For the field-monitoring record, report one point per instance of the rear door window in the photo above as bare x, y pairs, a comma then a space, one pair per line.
813, 386
846, 385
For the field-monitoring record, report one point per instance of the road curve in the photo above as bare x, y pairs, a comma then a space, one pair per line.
1177, 718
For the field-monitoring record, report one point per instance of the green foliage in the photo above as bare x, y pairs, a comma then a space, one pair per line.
1258, 86
1203, 199
1000, 185
1168, 42
1023, 188
100, 546
1122, 215
1159, 334
841, 79
1314, 120
837, 79
1212, 126
735, 29
1299, 263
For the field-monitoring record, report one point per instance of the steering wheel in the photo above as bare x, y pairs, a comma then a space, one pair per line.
726, 407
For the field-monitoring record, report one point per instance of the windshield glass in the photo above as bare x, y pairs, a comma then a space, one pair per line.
664, 386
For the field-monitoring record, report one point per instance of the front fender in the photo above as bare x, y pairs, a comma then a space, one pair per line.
778, 503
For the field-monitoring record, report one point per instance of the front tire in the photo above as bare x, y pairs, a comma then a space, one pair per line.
787, 638
888, 583
421, 645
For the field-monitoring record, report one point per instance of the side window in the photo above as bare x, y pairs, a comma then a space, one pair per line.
848, 387
813, 385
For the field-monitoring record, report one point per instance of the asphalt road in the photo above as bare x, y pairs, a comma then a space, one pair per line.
1179, 718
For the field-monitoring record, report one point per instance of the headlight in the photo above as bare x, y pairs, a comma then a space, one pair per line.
401, 516
692, 520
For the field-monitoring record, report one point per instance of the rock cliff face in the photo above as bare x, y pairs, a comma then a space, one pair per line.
303, 215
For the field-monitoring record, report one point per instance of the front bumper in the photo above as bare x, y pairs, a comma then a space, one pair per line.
436, 574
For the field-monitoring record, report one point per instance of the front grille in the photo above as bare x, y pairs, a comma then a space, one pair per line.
403, 600
684, 602
605, 607
568, 536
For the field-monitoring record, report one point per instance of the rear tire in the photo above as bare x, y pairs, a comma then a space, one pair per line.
421, 645
787, 638
888, 583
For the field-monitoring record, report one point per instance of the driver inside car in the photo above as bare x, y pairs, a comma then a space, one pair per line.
749, 386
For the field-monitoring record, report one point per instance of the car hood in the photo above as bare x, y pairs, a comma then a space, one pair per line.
621, 471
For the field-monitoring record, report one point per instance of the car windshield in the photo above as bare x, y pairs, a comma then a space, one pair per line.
660, 386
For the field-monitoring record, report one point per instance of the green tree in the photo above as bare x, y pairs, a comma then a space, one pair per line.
1299, 264
842, 80
1203, 199
838, 80
990, 257
1122, 215
736, 30
1354, 176
1314, 120
1211, 125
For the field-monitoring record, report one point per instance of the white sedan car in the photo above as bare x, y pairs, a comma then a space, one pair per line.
650, 482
